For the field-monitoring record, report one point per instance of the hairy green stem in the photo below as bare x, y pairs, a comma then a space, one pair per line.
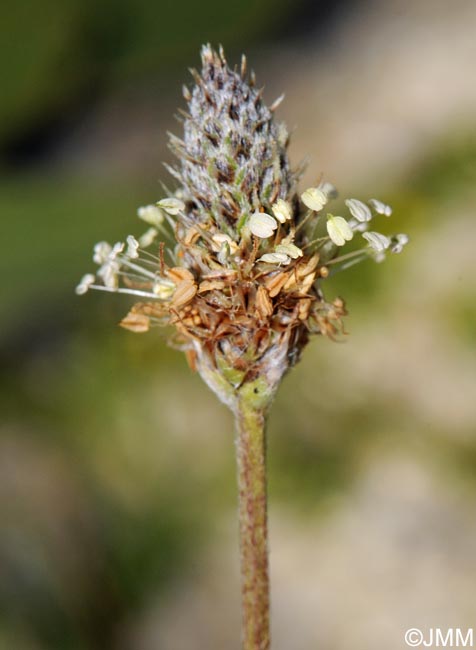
251, 461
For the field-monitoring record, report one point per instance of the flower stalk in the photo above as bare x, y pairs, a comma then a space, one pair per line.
253, 524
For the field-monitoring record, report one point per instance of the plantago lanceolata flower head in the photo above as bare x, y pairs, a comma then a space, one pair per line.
239, 273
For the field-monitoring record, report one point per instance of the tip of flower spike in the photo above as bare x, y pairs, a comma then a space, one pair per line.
212, 57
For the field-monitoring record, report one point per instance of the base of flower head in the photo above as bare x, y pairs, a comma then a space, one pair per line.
256, 378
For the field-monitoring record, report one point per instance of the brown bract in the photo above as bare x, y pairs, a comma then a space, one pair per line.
240, 316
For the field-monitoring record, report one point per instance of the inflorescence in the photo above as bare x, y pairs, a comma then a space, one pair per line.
242, 258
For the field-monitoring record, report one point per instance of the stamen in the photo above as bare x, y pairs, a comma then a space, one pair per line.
315, 241
341, 258
137, 268
348, 264
132, 292
308, 215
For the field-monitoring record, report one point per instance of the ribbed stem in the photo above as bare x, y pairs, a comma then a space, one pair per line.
251, 461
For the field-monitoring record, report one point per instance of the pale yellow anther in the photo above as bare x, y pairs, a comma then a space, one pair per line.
282, 210
171, 205
377, 241
339, 230
148, 237
101, 252
84, 284
289, 249
151, 214
380, 207
359, 210
132, 247
314, 199
275, 258
164, 289
262, 225
220, 238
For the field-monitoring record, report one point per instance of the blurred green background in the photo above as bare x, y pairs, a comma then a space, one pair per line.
117, 485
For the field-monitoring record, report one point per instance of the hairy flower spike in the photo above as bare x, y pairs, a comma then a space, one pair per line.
242, 282
232, 159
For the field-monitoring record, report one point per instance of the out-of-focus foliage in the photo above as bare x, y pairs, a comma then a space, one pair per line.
56, 56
